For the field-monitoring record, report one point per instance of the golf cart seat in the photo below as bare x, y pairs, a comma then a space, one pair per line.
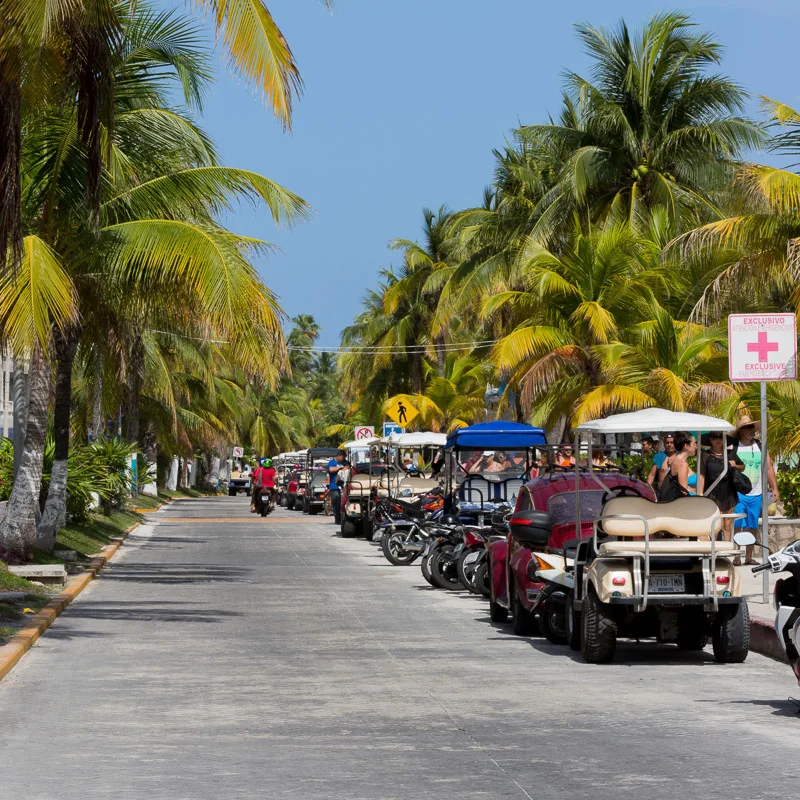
686, 517
418, 485
668, 547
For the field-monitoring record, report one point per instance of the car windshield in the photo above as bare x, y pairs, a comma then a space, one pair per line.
561, 507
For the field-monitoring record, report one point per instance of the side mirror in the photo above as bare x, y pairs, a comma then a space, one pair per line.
744, 538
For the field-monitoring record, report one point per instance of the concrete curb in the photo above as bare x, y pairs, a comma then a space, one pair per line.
13, 650
764, 640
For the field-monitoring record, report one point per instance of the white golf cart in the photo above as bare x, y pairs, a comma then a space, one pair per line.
656, 570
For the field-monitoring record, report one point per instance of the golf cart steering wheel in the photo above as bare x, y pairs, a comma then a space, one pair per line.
621, 491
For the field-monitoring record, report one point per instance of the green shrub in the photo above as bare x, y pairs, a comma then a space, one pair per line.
789, 488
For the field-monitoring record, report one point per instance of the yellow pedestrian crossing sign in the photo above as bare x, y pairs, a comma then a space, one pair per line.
402, 412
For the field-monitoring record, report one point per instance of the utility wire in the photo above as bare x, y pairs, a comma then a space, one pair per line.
393, 348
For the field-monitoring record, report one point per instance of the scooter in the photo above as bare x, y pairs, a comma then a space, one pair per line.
787, 602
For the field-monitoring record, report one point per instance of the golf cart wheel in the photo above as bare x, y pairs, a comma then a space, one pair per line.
599, 630
482, 580
290, 503
313, 510
553, 622
573, 624
523, 622
305, 505
368, 529
731, 634
284, 501
393, 551
348, 528
692, 629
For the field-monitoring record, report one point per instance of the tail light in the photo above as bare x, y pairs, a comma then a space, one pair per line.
723, 580
619, 580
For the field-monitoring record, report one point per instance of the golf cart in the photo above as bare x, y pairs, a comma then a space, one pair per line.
655, 570
239, 480
409, 474
285, 464
361, 477
317, 478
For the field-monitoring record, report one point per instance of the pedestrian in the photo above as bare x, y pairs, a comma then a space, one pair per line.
335, 466
662, 462
710, 467
680, 479
565, 456
751, 504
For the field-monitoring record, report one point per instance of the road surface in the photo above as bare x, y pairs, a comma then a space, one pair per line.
224, 657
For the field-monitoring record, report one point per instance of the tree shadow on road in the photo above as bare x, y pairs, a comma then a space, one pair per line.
783, 708
148, 611
176, 574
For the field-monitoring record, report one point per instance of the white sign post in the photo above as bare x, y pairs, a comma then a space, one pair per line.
763, 347
364, 432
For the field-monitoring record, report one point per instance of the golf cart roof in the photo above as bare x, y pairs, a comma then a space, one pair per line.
417, 439
496, 435
321, 452
361, 444
656, 420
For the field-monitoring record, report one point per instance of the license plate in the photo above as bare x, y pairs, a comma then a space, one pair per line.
667, 584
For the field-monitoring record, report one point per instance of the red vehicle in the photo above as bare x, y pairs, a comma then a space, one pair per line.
544, 520
292, 489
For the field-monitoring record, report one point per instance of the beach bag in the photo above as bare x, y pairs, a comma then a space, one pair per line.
741, 482
670, 489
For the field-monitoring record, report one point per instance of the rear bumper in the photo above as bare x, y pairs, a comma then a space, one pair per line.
675, 600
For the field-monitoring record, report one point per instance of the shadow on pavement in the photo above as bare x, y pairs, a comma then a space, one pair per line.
172, 573
783, 708
139, 611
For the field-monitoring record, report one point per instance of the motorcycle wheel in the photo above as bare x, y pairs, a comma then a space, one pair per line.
467, 574
553, 624
444, 574
523, 622
482, 579
393, 551
368, 529
426, 569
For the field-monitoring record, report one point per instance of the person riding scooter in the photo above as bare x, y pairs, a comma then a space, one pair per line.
263, 485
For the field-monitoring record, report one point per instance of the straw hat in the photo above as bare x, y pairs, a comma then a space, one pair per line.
744, 421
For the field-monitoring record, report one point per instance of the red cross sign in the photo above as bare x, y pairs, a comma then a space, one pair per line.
762, 347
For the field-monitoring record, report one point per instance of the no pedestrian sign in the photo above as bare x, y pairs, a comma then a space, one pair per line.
762, 347
363, 432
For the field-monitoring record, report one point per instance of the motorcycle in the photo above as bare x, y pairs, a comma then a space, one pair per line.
786, 600
403, 538
440, 558
473, 554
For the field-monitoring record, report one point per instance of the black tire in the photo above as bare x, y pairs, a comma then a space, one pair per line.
290, 502
284, 501
305, 505
348, 528
425, 564
497, 613
447, 580
573, 625
553, 624
482, 580
264, 510
368, 529
313, 510
467, 576
692, 629
394, 554
731, 634
598, 631
523, 622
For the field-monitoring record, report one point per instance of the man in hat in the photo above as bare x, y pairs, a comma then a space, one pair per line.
748, 448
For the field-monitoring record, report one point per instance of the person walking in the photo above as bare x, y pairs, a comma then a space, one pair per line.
711, 465
680, 480
335, 466
662, 462
748, 449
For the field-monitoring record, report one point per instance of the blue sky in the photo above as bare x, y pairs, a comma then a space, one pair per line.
403, 105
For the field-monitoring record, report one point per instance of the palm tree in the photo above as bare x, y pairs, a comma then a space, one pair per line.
649, 128
576, 303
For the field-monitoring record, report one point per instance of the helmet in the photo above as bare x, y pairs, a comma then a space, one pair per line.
266, 462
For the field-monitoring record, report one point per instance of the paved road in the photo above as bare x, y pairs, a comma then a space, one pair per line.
222, 657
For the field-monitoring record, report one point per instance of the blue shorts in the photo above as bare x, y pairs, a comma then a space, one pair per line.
751, 506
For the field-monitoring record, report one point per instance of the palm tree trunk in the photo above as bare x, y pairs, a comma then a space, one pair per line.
98, 420
172, 475
18, 529
55, 507
132, 409
150, 448
19, 396
440, 355
10, 147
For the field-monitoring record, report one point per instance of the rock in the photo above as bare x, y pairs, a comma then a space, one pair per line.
66, 555
47, 574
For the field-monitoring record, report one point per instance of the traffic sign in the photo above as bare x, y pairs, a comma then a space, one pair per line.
238, 452
402, 412
364, 432
392, 427
762, 347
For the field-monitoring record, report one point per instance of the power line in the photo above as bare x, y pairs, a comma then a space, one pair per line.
376, 349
